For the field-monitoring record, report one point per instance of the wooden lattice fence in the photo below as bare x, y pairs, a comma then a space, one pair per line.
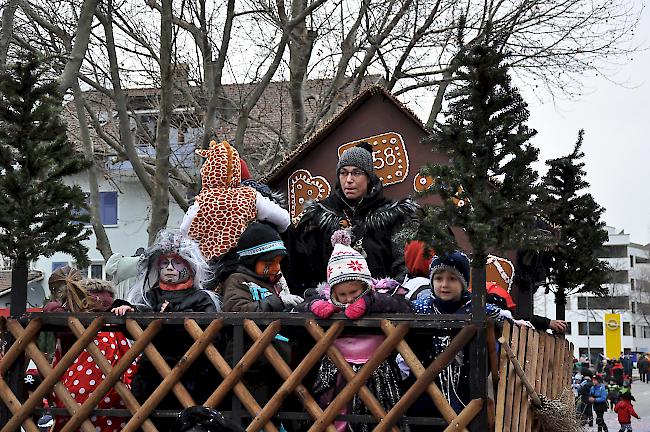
547, 361
252, 338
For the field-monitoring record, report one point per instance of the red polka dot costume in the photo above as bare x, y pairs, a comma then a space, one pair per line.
84, 375
225, 207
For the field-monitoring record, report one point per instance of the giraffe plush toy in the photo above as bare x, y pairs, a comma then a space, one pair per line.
225, 207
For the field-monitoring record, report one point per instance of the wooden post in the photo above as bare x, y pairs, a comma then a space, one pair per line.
243, 364
121, 388
224, 369
161, 365
12, 365
174, 377
345, 369
348, 392
45, 387
19, 279
478, 347
19, 344
45, 369
13, 405
466, 415
291, 382
284, 371
430, 373
113, 375
446, 411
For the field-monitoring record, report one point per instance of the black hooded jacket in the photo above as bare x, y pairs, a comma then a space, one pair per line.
380, 226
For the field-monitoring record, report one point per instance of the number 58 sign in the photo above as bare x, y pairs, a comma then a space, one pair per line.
389, 155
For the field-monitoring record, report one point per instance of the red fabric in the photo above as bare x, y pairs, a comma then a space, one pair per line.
53, 306
84, 376
176, 287
416, 262
323, 309
245, 173
493, 288
625, 411
356, 310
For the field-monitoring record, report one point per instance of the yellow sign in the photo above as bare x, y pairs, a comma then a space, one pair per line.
613, 343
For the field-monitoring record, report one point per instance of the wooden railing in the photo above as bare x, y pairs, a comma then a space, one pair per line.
251, 337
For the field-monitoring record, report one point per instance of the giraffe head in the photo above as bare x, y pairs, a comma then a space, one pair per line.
222, 165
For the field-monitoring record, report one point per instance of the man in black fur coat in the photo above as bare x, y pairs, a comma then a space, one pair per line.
380, 226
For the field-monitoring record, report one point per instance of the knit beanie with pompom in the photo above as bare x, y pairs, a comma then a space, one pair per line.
456, 263
345, 263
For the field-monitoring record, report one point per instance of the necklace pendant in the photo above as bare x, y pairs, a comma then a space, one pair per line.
358, 246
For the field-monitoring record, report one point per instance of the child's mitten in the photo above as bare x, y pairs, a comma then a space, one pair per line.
356, 310
323, 309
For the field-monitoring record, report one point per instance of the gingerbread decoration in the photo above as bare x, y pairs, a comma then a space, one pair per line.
500, 271
304, 187
389, 155
422, 183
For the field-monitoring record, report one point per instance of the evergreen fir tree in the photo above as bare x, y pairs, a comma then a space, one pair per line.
573, 263
489, 170
40, 214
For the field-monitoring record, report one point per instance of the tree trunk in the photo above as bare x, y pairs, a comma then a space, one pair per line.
478, 346
7, 30
160, 196
437, 102
82, 36
19, 274
300, 47
126, 138
560, 304
254, 97
103, 243
213, 75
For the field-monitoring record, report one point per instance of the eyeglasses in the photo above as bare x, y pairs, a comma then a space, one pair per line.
354, 173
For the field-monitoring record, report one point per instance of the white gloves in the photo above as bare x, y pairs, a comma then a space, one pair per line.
524, 323
289, 300
505, 313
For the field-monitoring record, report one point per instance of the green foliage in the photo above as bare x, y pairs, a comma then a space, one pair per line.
490, 169
573, 264
40, 214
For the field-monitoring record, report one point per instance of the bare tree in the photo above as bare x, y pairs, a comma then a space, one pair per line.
267, 74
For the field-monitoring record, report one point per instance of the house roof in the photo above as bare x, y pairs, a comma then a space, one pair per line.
5, 279
267, 135
345, 112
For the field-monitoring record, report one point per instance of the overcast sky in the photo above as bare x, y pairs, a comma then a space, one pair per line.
616, 119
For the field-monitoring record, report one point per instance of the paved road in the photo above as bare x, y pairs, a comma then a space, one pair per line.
641, 392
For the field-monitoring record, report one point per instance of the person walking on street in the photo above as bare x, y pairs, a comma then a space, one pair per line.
584, 406
643, 365
598, 397
625, 411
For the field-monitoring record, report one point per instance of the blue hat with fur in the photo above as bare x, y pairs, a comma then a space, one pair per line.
456, 263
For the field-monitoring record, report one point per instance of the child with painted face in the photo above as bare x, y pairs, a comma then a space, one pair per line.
449, 277
350, 288
257, 284
171, 274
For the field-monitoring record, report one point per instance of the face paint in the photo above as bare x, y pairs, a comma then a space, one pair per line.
269, 269
173, 269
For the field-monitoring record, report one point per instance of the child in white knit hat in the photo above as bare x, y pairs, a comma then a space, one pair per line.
350, 289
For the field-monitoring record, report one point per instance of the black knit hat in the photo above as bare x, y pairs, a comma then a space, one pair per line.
359, 156
259, 241
456, 263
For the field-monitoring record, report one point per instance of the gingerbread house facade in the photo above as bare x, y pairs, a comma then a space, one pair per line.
375, 116
396, 134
